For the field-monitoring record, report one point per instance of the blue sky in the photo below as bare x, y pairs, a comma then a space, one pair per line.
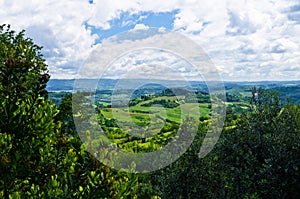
127, 21
246, 40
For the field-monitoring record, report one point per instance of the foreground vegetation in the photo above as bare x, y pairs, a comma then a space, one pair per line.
42, 156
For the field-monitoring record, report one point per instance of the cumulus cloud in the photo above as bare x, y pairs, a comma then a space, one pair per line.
247, 40
257, 36
55, 25
141, 54
140, 27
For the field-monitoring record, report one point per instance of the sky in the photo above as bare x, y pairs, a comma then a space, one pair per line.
246, 40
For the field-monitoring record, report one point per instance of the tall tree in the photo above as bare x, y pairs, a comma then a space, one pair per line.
27, 129
23, 73
260, 157
36, 159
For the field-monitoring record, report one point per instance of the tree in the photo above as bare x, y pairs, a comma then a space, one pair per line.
23, 73
37, 159
260, 157
257, 157
27, 129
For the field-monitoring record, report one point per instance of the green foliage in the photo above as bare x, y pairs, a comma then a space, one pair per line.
26, 119
22, 68
257, 157
65, 116
41, 156
136, 101
232, 97
165, 103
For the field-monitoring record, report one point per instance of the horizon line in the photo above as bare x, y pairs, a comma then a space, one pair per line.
176, 80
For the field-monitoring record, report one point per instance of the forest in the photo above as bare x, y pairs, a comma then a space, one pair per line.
43, 156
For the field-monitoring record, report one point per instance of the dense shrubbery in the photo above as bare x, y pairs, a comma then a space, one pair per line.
163, 102
41, 156
258, 157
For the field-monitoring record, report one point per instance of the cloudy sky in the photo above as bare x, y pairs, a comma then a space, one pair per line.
246, 40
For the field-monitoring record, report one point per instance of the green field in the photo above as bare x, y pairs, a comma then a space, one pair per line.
141, 114
141, 125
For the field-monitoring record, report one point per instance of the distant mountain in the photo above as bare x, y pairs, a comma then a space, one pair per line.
56, 85
287, 89
109, 84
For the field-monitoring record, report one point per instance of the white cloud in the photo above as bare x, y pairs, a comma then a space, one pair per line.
243, 30
258, 37
165, 55
56, 25
140, 27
